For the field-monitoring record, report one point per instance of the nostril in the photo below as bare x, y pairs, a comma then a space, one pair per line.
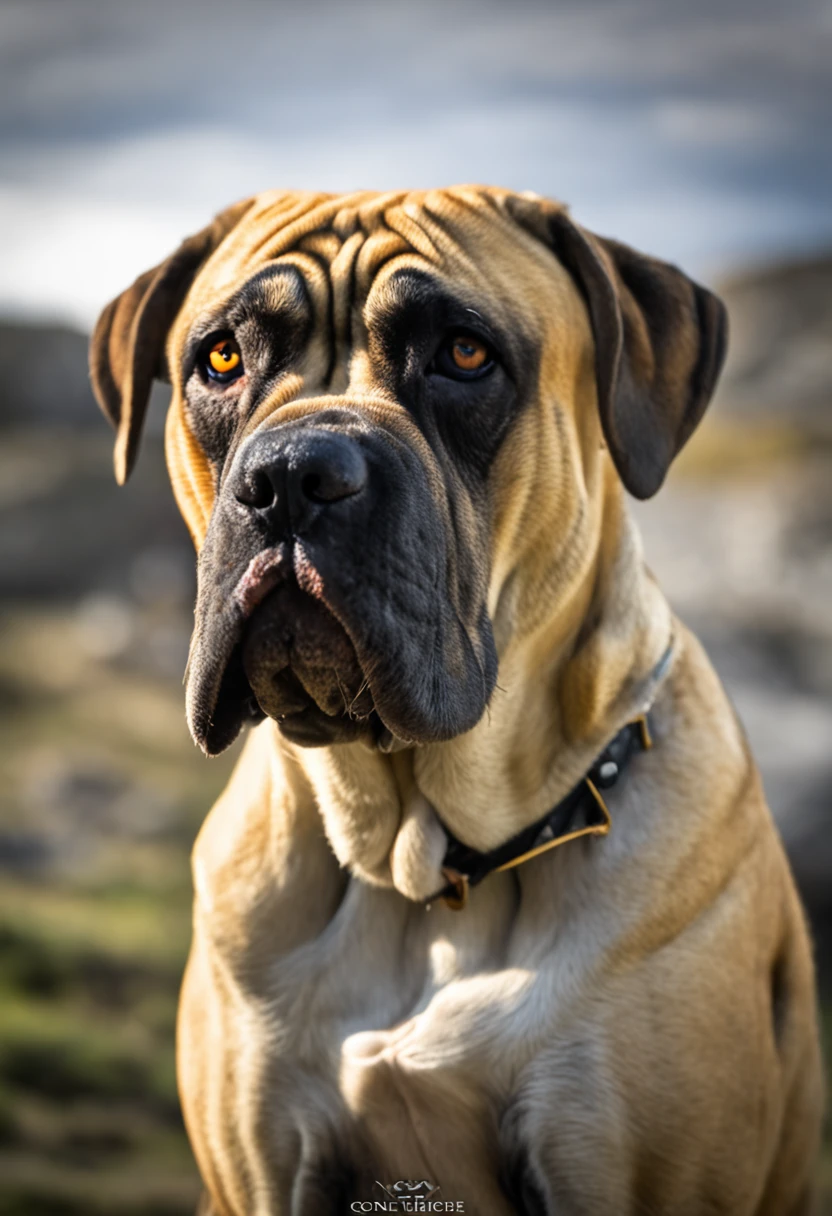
335, 472
256, 490
310, 487
329, 486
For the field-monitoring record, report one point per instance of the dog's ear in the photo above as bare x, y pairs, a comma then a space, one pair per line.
660, 342
127, 351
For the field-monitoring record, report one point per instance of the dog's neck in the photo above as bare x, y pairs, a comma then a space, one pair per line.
564, 689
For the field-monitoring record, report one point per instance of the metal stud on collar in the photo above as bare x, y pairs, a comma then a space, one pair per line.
607, 774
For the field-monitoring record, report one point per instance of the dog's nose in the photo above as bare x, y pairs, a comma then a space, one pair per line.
292, 477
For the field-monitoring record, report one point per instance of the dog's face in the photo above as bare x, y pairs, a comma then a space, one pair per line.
386, 432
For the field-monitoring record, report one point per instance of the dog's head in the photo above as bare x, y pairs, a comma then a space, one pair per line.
390, 418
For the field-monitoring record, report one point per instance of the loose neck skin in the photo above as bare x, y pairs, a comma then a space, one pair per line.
565, 686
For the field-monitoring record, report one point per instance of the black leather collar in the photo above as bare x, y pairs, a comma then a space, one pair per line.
582, 812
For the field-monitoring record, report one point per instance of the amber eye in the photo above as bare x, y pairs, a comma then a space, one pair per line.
463, 357
224, 362
468, 354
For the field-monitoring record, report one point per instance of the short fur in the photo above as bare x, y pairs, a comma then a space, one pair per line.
619, 1026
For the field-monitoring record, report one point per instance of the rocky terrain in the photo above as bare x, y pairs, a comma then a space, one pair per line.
102, 790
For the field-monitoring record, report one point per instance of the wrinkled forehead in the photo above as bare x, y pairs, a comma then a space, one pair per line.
350, 249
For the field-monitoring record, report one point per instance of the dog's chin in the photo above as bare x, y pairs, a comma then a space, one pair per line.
302, 670
291, 661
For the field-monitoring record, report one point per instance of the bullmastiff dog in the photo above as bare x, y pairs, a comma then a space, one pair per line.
401, 431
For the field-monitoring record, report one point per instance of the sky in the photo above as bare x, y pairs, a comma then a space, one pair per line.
698, 130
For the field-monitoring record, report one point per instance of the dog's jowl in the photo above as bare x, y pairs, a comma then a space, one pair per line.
493, 900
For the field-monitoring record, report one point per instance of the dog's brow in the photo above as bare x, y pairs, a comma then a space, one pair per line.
276, 290
409, 288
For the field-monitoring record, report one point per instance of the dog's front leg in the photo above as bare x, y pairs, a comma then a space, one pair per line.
266, 885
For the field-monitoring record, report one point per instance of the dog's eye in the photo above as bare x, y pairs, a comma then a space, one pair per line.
468, 354
223, 361
463, 357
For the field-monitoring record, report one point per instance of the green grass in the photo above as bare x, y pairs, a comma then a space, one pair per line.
89, 1116
94, 936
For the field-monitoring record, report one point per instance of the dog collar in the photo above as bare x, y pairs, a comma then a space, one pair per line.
583, 812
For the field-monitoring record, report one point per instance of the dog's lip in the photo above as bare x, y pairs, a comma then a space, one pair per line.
205, 678
265, 570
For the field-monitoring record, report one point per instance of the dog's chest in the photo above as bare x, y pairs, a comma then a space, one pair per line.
394, 1044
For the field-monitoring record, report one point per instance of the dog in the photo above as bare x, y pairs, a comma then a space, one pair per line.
492, 911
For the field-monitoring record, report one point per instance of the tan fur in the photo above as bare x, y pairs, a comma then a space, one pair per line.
606, 1009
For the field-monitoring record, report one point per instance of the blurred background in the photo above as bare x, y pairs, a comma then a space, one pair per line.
696, 132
